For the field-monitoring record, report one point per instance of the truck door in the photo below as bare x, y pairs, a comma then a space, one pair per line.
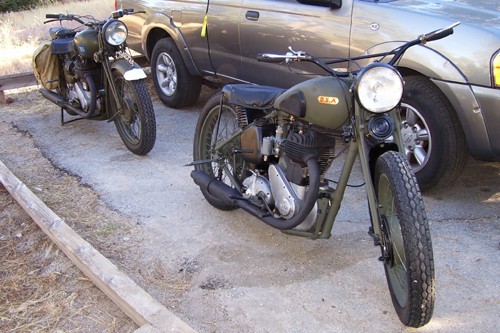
222, 34
273, 26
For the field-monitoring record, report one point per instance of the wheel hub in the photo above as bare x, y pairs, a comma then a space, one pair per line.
386, 244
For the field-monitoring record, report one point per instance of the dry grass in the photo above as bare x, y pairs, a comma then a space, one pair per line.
40, 289
21, 32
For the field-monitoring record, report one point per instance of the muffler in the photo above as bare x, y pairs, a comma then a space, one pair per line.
216, 188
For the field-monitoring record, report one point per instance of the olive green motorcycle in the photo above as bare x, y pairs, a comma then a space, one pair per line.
267, 150
88, 72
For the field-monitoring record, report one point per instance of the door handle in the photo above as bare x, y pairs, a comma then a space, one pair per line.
252, 15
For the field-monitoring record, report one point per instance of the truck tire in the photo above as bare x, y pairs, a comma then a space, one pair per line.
175, 86
434, 141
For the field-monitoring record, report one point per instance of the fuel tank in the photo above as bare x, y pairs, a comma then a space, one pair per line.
86, 43
323, 101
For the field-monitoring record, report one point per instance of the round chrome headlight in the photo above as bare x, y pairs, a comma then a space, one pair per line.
379, 87
115, 32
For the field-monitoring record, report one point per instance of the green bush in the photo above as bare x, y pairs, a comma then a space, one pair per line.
18, 5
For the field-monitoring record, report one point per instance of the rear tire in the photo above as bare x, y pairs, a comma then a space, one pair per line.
136, 124
214, 126
406, 241
175, 86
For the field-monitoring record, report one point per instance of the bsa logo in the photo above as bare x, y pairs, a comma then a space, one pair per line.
328, 100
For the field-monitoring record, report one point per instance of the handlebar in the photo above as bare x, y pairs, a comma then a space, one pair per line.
63, 17
72, 17
295, 56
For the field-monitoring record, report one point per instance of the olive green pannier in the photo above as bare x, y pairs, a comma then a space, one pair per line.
46, 66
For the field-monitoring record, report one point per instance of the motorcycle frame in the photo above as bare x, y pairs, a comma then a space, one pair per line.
329, 199
357, 146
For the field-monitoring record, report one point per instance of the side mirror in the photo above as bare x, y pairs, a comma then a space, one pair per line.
334, 4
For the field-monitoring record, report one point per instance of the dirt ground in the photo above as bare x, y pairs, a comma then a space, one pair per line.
40, 289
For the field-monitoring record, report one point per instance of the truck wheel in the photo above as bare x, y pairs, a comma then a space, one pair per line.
175, 86
434, 141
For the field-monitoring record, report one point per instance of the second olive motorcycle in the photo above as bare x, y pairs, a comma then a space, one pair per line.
89, 73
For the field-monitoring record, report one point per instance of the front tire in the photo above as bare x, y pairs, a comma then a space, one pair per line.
405, 241
214, 126
136, 124
433, 138
175, 86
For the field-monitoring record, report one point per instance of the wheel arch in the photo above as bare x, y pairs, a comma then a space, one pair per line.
451, 82
159, 26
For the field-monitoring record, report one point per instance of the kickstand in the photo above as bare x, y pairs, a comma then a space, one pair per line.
67, 122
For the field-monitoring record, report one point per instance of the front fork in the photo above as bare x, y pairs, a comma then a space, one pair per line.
368, 162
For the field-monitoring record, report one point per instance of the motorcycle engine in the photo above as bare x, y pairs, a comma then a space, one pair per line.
287, 180
76, 71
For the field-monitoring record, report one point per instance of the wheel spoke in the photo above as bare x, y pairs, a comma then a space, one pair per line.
423, 134
420, 154
162, 68
411, 117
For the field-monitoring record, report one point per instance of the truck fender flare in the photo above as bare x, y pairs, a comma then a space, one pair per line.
443, 73
158, 26
435, 66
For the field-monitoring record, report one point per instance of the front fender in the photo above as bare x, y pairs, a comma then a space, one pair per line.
129, 72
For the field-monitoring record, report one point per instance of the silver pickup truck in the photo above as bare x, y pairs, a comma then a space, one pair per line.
451, 103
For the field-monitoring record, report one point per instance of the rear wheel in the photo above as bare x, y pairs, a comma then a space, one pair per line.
216, 125
405, 240
136, 123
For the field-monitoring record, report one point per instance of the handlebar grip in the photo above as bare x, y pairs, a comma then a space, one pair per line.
439, 35
272, 58
53, 16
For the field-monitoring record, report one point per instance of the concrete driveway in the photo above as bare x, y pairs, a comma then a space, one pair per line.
246, 276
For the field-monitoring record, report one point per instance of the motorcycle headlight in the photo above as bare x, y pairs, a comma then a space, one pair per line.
378, 87
115, 32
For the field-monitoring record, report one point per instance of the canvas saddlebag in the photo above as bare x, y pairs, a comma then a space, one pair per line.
46, 66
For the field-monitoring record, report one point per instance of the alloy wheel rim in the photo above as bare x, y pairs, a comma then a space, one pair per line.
416, 136
166, 74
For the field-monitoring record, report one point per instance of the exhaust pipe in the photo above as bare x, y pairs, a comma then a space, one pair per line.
64, 104
61, 102
232, 197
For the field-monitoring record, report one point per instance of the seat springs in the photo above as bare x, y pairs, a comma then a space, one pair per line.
241, 114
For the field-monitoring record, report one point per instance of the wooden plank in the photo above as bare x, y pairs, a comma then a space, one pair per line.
144, 310
15, 81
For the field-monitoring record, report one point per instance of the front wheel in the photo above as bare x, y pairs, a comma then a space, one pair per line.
405, 240
434, 142
136, 122
175, 86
